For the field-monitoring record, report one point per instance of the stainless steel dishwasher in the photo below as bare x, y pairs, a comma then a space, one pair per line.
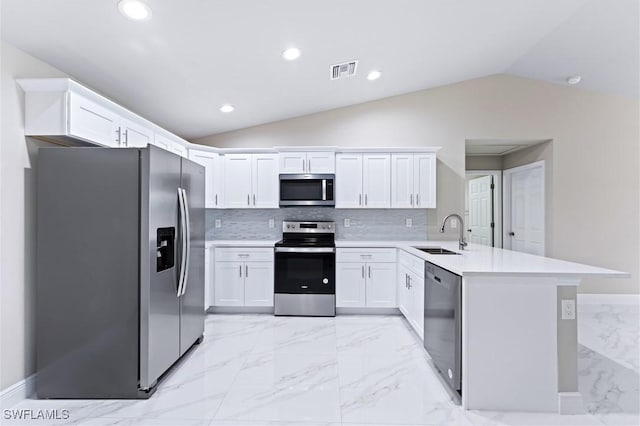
443, 323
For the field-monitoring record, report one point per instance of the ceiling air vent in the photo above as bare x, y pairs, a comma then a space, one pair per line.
344, 70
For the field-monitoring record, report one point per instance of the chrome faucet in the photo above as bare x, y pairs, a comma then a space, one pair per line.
461, 243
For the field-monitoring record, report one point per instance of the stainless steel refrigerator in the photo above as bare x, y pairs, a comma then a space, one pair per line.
120, 269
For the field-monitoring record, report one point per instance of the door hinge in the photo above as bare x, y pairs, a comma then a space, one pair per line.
493, 225
492, 186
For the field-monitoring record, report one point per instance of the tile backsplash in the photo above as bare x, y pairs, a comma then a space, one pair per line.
369, 224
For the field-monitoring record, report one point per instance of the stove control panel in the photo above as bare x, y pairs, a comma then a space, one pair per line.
322, 227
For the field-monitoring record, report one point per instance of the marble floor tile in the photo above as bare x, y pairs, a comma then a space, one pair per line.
303, 336
295, 404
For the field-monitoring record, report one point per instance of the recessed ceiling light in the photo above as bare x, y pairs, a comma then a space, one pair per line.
291, 54
374, 75
135, 10
574, 79
227, 108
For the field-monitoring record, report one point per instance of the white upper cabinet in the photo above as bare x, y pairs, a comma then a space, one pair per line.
413, 181
264, 174
64, 110
376, 182
251, 181
307, 162
212, 163
363, 181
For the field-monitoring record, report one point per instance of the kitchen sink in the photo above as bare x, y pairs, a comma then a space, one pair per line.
436, 250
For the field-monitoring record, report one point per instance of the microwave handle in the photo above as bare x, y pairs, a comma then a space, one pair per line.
324, 189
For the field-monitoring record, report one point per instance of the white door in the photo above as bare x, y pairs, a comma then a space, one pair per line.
350, 285
265, 181
92, 122
229, 284
348, 185
402, 195
480, 211
237, 181
321, 162
207, 160
376, 186
525, 225
424, 171
293, 162
258, 284
134, 135
381, 285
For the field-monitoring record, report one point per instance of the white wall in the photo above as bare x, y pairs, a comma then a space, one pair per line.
596, 158
17, 223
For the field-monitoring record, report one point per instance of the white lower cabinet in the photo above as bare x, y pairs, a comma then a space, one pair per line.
243, 283
410, 280
369, 284
208, 278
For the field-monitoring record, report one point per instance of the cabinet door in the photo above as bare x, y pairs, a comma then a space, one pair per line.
229, 284
293, 162
403, 291
237, 181
258, 284
348, 184
161, 142
424, 184
208, 278
416, 303
350, 285
321, 162
381, 285
207, 160
376, 180
92, 122
218, 181
134, 135
402, 195
265, 181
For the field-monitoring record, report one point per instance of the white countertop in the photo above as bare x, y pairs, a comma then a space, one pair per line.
474, 260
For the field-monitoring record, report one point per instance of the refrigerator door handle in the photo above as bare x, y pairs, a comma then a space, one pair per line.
187, 222
183, 236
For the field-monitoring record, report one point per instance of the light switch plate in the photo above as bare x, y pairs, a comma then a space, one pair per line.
408, 223
347, 223
568, 309
272, 223
218, 223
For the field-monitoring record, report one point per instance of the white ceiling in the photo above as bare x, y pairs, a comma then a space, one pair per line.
195, 55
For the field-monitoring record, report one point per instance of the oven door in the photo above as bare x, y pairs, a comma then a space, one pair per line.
306, 190
309, 270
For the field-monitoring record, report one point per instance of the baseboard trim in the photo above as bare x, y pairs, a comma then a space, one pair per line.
240, 310
367, 311
18, 392
570, 403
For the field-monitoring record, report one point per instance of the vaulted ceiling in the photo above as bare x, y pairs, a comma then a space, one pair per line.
179, 67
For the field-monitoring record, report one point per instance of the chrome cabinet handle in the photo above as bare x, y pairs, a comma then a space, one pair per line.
240, 271
365, 199
216, 199
359, 199
248, 199
254, 199
246, 271
369, 271
362, 271
119, 136
126, 138
513, 234
411, 199
417, 199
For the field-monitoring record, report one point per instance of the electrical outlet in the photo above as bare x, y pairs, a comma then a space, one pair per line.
408, 223
218, 223
454, 222
568, 309
272, 223
347, 223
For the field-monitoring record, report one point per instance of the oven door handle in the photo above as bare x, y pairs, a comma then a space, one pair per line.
305, 250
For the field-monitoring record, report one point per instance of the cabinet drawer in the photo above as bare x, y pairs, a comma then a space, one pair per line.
414, 263
366, 255
235, 254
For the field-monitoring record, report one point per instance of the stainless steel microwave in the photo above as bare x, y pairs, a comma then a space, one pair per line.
307, 190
